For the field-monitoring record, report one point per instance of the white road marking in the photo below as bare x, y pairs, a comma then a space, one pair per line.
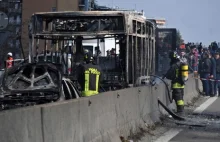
206, 104
166, 137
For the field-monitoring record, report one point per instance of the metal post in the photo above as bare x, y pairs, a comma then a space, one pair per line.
115, 54
145, 55
51, 51
150, 55
37, 49
67, 63
61, 50
148, 58
97, 52
31, 45
56, 53
45, 45
141, 54
136, 52
127, 59
52, 43
133, 63
45, 49
154, 56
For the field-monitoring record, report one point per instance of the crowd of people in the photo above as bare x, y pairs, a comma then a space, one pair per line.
205, 62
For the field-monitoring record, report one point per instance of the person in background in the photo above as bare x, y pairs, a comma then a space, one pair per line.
10, 61
212, 75
214, 46
194, 59
200, 48
217, 82
183, 56
204, 70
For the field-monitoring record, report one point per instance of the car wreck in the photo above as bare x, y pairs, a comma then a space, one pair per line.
34, 83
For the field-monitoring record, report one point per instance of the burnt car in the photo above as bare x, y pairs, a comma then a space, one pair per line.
33, 84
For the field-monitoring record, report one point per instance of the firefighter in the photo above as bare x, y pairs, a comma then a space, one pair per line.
178, 74
9, 61
89, 76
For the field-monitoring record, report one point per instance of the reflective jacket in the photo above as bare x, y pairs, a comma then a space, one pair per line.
89, 79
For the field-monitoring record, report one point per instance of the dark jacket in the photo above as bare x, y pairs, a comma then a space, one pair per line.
172, 73
213, 67
207, 65
217, 66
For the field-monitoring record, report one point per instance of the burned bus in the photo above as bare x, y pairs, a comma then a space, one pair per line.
56, 48
133, 35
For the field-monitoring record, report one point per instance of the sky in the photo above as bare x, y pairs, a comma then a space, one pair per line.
197, 20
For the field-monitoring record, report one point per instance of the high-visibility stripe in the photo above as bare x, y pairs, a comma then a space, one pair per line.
177, 85
180, 102
177, 73
86, 81
97, 83
89, 93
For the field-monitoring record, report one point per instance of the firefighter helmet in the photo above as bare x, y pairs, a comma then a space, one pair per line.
9, 54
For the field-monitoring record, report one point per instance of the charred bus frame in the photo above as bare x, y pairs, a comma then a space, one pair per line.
137, 35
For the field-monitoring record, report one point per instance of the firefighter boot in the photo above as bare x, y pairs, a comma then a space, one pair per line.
180, 110
180, 107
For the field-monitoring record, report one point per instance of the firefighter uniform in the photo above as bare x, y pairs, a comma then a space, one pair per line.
178, 89
178, 74
89, 77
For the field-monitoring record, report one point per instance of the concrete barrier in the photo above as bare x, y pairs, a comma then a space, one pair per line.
104, 117
192, 89
21, 125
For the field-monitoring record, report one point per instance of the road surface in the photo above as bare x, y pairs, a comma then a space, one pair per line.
202, 125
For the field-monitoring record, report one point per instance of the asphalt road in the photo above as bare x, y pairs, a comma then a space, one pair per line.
202, 124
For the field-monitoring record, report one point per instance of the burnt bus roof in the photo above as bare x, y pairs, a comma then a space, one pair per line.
72, 14
120, 22
79, 13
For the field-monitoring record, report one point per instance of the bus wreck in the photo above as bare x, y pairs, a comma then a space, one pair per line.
57, 44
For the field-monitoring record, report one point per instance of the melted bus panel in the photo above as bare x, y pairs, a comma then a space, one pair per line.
165, 42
